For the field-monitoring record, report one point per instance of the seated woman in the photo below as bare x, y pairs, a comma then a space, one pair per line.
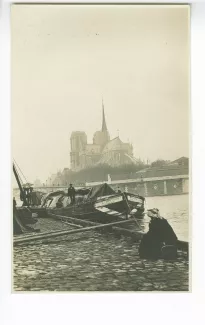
160, 241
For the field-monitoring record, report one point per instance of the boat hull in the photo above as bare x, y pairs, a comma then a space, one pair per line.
105, 209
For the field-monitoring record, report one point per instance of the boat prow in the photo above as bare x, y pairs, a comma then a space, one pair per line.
121, 205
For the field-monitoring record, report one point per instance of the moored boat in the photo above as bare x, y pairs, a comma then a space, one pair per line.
100, 203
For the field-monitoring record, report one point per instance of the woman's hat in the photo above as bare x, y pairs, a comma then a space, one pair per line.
153, 213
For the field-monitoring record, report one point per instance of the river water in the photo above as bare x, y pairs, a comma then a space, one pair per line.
174, 208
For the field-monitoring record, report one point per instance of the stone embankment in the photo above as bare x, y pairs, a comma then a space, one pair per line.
92, 261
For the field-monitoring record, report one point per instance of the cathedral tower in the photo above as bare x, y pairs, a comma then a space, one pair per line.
102, 137
78, 142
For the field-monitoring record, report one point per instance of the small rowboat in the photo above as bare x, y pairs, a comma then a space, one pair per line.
121, 205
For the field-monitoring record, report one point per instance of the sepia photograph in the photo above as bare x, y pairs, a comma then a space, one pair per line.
100, 109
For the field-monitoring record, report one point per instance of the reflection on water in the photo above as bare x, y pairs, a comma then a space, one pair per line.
174, 208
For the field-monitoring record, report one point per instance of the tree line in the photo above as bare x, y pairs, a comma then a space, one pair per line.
100, 173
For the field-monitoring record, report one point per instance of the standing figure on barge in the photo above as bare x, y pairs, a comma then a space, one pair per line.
71, 193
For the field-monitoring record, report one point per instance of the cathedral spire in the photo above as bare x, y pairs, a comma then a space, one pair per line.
104, 126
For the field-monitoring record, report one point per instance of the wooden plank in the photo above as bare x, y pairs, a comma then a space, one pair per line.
181, 245
71, 224
66, 232
136, 235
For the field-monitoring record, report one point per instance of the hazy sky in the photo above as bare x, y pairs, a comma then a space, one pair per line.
65, 58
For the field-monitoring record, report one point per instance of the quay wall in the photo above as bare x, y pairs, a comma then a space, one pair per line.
156, 188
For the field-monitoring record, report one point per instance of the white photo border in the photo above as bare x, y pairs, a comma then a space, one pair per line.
115, 308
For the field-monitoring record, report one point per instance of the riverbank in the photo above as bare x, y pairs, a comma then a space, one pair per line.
93, 262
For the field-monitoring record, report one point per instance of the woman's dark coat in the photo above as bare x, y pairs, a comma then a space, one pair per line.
160, 234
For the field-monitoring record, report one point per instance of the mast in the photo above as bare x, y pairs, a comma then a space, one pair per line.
19, 185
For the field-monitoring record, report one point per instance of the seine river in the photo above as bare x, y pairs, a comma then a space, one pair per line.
174, 208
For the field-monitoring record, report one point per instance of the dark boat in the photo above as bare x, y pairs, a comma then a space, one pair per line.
25, 217
100, 203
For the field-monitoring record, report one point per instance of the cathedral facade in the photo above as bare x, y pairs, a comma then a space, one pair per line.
103, 150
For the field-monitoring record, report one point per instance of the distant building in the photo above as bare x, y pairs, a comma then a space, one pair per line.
183, 161
66, 177
177, 167
102, 151
37, 183
52, 180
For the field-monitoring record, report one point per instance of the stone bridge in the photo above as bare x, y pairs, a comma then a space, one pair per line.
152, 186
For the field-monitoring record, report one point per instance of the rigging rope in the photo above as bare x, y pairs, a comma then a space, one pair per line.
19, 177
20, 171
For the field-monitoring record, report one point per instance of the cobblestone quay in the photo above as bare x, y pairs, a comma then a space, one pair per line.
93, 262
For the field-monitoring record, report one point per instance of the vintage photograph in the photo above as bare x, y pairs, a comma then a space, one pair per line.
100, 100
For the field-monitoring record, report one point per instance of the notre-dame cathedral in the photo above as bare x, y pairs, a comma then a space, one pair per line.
113, 152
